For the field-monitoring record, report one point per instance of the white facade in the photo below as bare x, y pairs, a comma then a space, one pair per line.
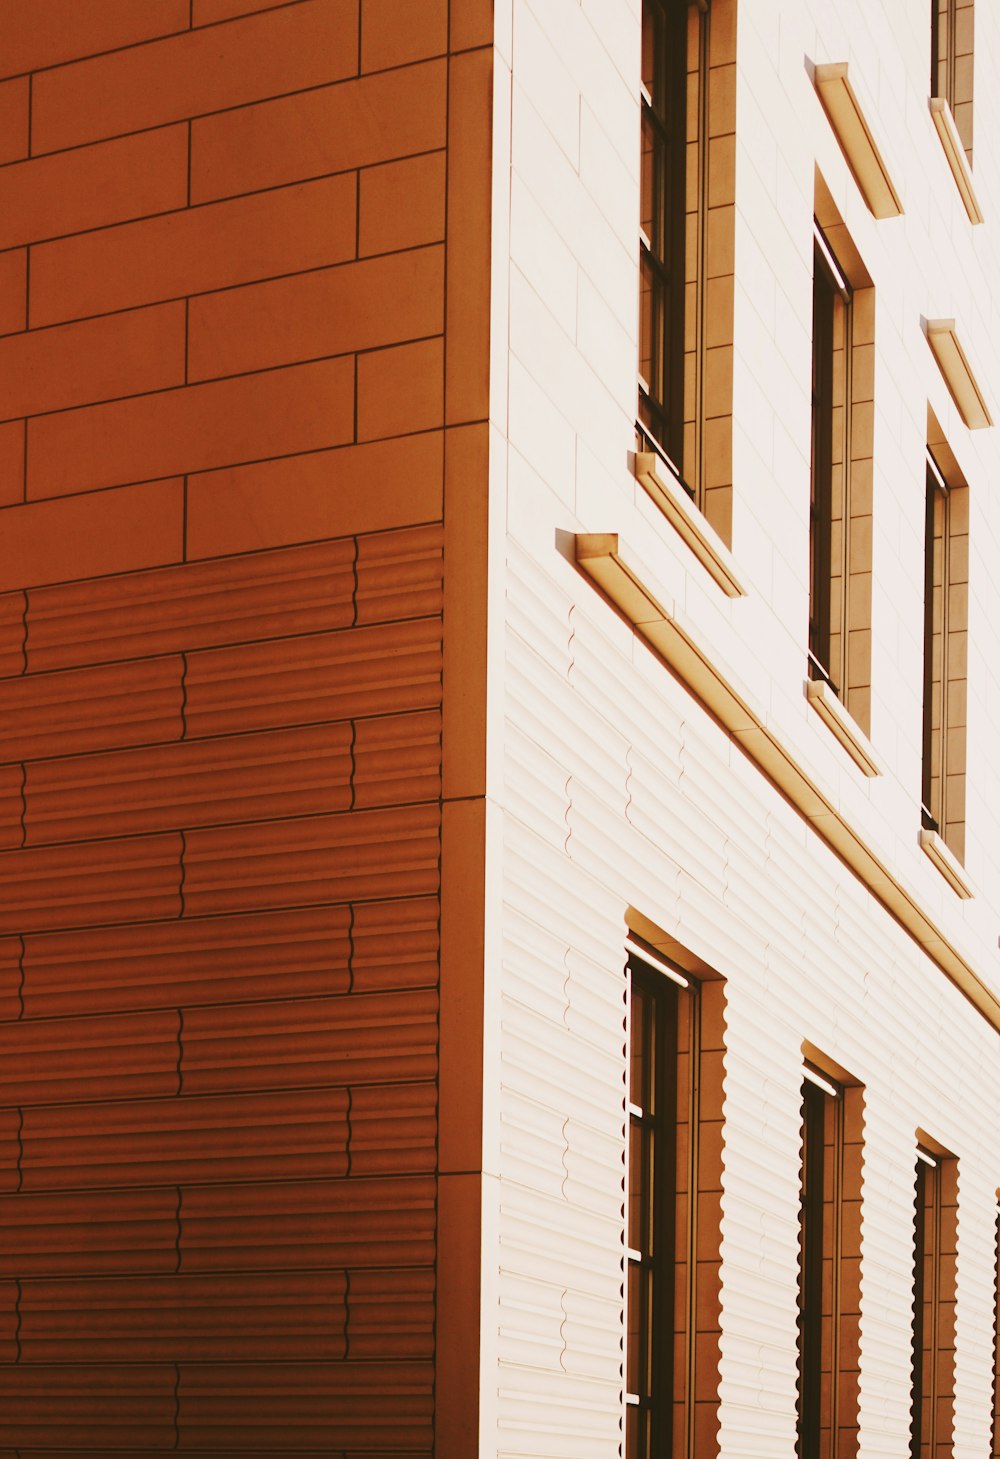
611, 786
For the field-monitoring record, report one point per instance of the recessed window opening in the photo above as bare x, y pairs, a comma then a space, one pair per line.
995, 1428
687, 195
829, 1267
935, 1245
946, 555
840, 503
672, 1231
952, 62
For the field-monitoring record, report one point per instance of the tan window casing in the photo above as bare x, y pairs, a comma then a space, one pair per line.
841, 465
686, 334
676, 1024
952, 32
946, 621
995, 1427
830, 1266
932, 1412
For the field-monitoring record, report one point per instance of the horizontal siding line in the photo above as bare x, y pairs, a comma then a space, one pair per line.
147, 40
160, 1101
40, 329
51, 1019
303, 816
197, 116
126, 926
236, 1184
202, 917
186, 737
226, 643
193, 207
213, 380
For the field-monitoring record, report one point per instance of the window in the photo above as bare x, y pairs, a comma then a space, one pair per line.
686, 246
841, 473
946, 609
995, 1429
935, 1250
829, 1267
951, 62
674, 1182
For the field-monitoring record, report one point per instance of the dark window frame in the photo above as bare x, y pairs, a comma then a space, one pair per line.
662, 1317
945, 676
929, 1350
828, 488
663, 243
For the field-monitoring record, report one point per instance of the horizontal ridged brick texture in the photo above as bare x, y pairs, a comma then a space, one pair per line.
223, 458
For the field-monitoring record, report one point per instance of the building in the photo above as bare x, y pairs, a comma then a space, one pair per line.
499, 882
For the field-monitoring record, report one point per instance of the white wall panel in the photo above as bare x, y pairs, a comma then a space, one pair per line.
618, 789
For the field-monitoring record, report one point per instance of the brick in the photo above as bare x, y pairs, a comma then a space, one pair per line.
196, 72
88, 188
172, 1141
396, 32
359, 855
49, 31
196, 783
318, 132
325, 494
301, 408
129, 1405
469, 244
11, 1004
68, 1060
93, 1231
208, 12
370, 1409
466, 648
11, 462
13, 633
99, 359
89, 536
11, 807
14, 119
358, 306
189, 1318
395, 945
393, 1129
80, 710
297, 1224
391, 1314
358, 1038
400, 390
399, 575
263, 595
471, 24
387, 669
401, 204
13, 290
397, 759
78, 886
189, 252
297, 954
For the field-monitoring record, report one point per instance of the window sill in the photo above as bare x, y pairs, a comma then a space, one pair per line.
842, 726
955, 154
680, 650
946, 862
675, 504
856, 141
957, 373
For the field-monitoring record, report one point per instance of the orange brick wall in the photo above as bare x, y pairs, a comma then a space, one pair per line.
244, 275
